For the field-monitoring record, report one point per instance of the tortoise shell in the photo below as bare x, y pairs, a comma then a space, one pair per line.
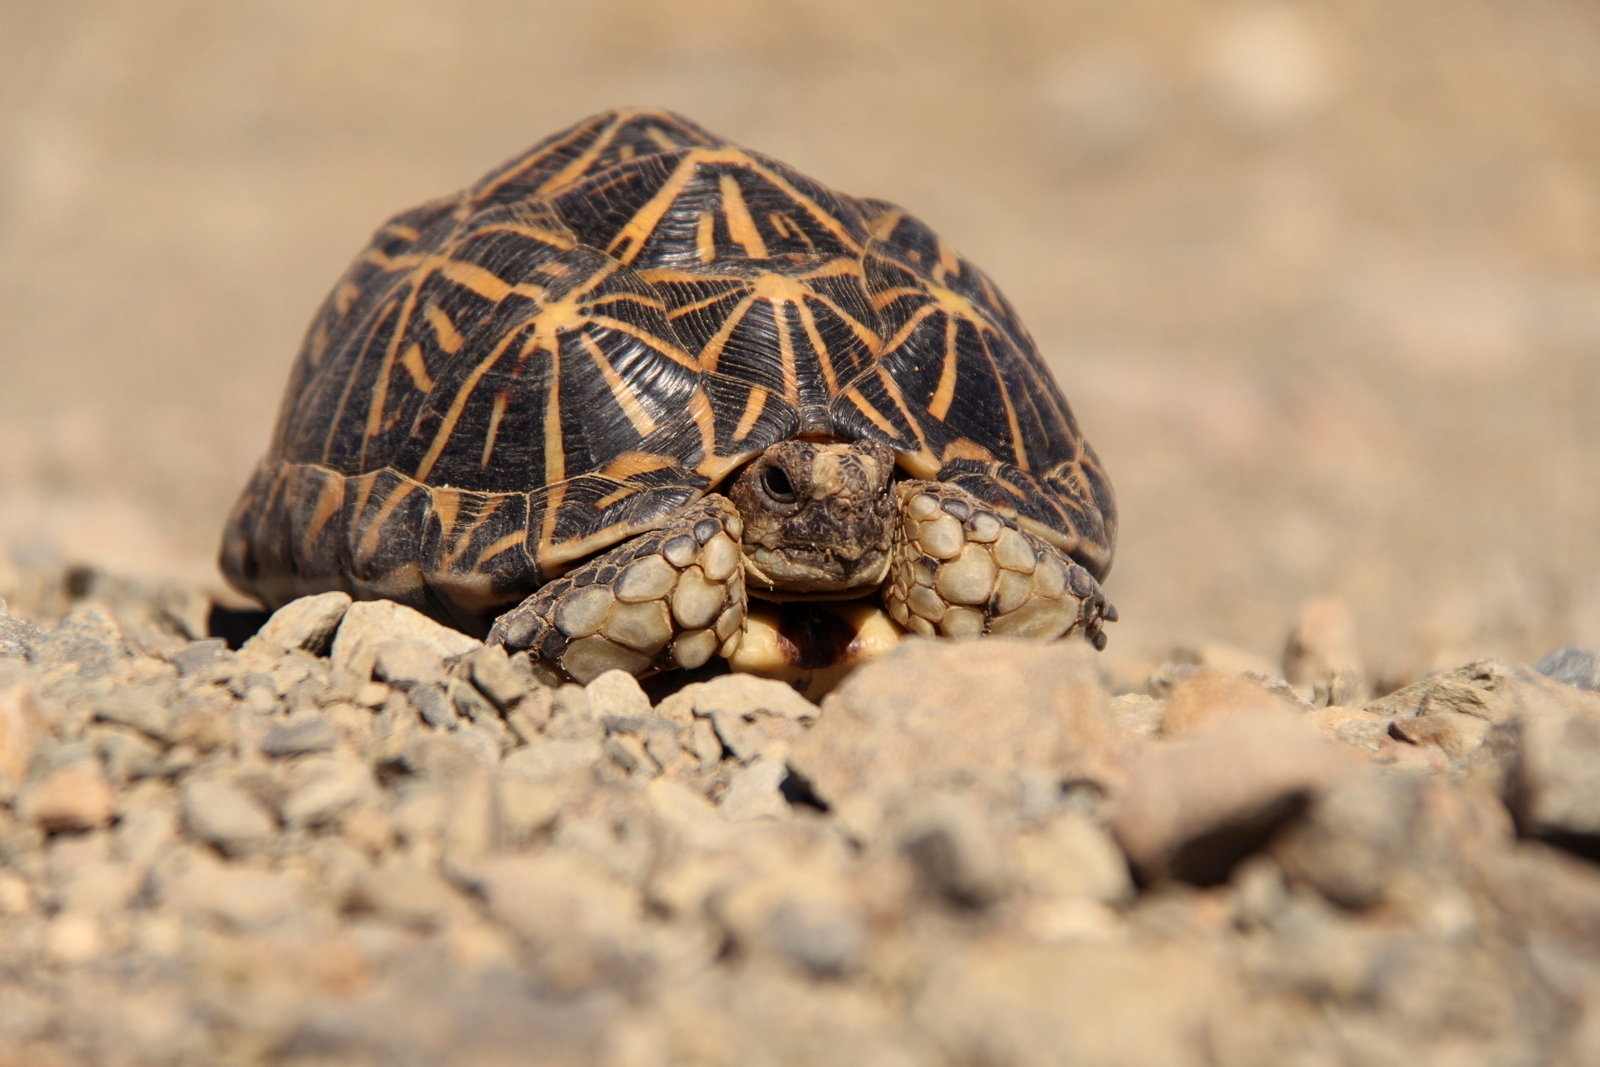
596, 334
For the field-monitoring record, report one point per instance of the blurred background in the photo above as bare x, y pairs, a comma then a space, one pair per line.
1321, 280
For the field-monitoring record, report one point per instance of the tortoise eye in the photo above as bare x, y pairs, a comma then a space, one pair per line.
775, 480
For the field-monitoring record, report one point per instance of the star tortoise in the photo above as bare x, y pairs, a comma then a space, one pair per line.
592, 404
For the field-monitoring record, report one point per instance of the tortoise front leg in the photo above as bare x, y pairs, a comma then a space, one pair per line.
672, 597
961, 569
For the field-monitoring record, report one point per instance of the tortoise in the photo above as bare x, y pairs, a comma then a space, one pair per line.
591, 405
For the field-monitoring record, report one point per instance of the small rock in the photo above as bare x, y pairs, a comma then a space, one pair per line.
572, 715
753, 716
616, 697
300, 737
1355, 838
126, 754
753, 792
148, 824
21, 728
955, 848
74, 938
999, 705
1206, 697
629, 753
308, 623
403, 889
242, 897
227, 817
406, 664
1554, 785
72, 798
495, 676
17, 636
580, 924
1195, 807
825, 934
1072, 857
1324, 654
368, 625
1577, 667
199, 657
148, 709
1456, 734
1355, 727
525, 807
434, 705
1486, 689
1138, 714
86, 637
323, 788
998, 1001
552, 758
16, 896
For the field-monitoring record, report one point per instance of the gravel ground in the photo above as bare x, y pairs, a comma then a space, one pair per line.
363, 838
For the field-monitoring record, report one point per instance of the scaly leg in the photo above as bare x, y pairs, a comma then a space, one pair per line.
961, 569
672, 597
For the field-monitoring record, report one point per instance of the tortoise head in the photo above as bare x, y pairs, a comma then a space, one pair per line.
818, 518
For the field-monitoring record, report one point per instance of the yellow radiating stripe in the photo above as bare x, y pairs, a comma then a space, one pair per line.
545, 550
1012, 421
450, 338
417, 367
741, 227
330, 498
617, 495
344, 296
651, 302
457, 403
575, 169
504, 544
374, 527
754, 405
864, 333
712, 352
911, 324
626, 398
485, 283
885, 297
791, 384
380, 385
828, 221
656, 344
965, 448
705, 237
872, 413
496, 412
706, 420
824, 357
892, 387
781, 225
633, 462
447, 505
630, 240
939, 406
884, 225
705, 303
555, 452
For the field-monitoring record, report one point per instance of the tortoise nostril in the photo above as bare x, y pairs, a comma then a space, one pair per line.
775, 480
